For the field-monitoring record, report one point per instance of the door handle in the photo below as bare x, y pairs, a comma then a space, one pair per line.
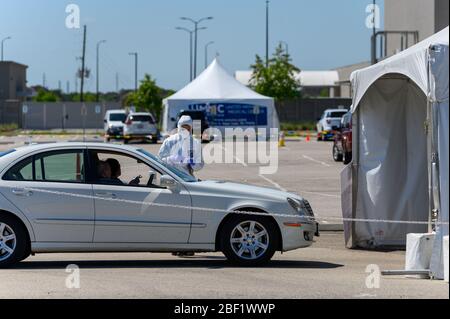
106, 195
21, 192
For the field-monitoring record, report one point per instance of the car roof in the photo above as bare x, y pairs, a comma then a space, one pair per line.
116, 111
25, 150
141, 113
336, 110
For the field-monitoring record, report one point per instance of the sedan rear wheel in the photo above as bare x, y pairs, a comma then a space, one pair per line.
249, 241
13, 246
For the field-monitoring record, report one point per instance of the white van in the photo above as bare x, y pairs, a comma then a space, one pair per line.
114, 123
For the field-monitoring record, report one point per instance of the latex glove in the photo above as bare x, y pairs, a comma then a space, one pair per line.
175, 159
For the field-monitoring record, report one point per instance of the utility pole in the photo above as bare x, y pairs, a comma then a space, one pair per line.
196, 29
98, 71
374, 31
3, 42
117, 82
68, 87
267, 33
135, 54
83, 60
59, 86
44, 81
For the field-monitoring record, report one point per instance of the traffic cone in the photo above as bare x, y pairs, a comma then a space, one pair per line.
281, 140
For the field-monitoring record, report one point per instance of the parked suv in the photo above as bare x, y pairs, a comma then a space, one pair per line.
329, 123
114, 123
140, 126
342, 146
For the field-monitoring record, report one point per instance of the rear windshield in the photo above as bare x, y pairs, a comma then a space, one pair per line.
336, 114
6, 153
117, 117
142, 118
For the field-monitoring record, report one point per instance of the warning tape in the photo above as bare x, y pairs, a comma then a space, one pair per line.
216, 210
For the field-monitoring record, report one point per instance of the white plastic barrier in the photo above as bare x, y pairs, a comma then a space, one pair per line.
445, 247
419, 248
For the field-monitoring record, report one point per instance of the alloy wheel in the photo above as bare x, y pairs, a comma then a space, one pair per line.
7, 241
249, 240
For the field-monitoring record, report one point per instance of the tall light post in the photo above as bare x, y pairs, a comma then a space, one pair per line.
206, 52
98, 68
267, 33
3, 41
135, 54
191, 32
196, 23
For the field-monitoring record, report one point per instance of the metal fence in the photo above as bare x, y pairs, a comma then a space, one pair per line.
46, 116
308, 110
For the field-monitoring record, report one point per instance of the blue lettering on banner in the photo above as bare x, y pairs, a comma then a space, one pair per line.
232, 114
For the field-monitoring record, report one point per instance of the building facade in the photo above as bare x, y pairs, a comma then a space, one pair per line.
13, 81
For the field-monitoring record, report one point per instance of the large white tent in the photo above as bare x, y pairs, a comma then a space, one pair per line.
400, 146
232, 102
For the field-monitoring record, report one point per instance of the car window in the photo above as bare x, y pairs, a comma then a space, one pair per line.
117, 117
336, 114
142, 118
60, 167
66, 166
22, 171
118, 169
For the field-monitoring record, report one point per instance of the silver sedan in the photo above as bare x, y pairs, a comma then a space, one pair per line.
78, 197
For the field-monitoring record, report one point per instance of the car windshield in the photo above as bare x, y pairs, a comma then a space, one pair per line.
184, 176
117, 117
6, 153
336, 114
142, 118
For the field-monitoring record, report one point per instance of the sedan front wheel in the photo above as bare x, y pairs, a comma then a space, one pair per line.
13, 242
249, 240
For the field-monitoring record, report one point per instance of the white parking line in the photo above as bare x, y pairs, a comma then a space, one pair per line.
273, 183
316, 161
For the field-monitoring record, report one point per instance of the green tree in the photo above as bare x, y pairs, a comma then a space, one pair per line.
46, 96
147, 98
278, 79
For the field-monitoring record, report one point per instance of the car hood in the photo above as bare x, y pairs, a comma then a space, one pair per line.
242, 190
116, 124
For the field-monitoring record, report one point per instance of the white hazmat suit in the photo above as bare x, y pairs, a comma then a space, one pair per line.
182, 150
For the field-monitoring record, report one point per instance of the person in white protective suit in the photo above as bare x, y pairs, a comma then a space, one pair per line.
182, 150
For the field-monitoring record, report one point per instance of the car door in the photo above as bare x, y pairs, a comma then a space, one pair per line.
130, 212
50, 189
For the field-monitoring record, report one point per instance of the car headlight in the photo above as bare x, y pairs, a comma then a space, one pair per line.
302, 207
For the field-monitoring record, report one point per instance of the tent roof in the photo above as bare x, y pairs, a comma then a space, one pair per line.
411, 62
216, 84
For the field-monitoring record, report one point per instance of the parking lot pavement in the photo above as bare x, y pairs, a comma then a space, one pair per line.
326, 270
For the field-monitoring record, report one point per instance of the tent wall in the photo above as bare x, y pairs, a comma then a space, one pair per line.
439, 71
392, 173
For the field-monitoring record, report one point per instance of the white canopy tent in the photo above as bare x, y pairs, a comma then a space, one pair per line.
227, 102
400, 146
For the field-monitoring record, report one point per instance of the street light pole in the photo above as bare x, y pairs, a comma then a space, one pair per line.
206, 52
98, 68
196, 29
267, 33
3, 41
135, 54
191, 32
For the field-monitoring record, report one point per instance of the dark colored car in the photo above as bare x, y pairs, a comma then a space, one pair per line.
342, 146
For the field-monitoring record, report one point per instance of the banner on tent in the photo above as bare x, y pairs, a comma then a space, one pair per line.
233, 114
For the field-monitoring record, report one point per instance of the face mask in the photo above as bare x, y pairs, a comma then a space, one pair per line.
184, 133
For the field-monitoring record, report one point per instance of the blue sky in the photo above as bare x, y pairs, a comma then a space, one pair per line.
322, 34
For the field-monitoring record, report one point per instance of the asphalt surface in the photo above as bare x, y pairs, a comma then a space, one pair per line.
325, 270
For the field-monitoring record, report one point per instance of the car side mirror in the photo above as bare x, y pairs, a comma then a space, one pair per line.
168, 182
